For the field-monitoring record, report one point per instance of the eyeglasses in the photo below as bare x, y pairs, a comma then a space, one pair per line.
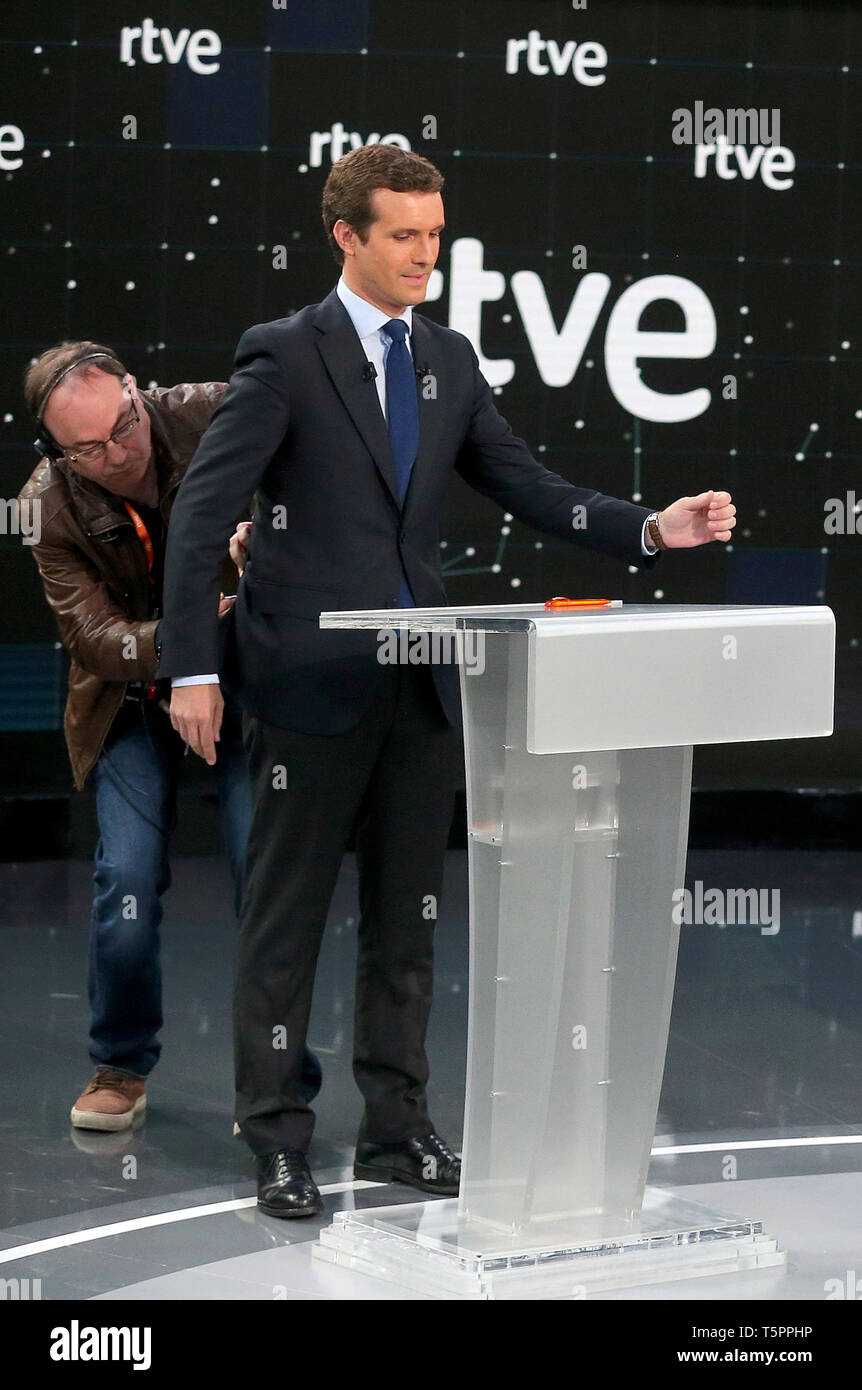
88, 453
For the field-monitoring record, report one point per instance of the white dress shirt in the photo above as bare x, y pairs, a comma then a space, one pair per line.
368, 321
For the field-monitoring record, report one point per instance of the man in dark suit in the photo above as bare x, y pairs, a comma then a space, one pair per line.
328, 421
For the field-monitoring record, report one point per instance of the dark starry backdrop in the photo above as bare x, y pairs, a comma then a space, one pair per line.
162, 246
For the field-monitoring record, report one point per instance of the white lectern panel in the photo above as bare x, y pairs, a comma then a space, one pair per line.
634, 679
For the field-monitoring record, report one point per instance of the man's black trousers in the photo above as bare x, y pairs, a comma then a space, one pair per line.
393, 776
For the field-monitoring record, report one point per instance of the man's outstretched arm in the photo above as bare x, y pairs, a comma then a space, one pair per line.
499, 465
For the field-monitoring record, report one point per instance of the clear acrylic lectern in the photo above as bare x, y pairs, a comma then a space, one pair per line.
579, 726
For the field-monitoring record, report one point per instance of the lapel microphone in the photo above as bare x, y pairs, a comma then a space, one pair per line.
369, 371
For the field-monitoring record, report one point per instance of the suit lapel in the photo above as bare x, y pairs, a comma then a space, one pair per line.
345, 362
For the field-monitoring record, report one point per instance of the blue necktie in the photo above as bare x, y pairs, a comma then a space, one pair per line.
403, 411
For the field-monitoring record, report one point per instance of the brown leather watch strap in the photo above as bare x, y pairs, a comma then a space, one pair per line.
654, 532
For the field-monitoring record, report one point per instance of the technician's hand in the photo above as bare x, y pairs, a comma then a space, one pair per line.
196, 714
238, 545
690, 521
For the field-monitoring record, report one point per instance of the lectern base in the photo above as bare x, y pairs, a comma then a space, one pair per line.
423, 1247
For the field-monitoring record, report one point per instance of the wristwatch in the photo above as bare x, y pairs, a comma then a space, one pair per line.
654, 531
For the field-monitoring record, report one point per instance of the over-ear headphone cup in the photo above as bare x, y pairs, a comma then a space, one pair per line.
46, 446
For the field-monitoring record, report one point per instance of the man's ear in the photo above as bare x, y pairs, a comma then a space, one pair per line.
345, 236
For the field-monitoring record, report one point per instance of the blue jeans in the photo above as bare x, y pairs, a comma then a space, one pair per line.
136, 780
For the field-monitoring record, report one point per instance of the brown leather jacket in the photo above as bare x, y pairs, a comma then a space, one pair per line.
94, 569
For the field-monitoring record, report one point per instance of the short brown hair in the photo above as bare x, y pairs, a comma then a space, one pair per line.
352, 180
45, 372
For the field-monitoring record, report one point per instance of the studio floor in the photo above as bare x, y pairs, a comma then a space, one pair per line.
764, 1067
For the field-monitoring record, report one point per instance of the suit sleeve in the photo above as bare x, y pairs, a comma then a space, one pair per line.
499, 465
230, 462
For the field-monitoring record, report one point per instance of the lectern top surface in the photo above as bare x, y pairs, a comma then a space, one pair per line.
509, 617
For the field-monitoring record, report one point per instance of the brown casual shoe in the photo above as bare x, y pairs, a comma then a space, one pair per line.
112, 1100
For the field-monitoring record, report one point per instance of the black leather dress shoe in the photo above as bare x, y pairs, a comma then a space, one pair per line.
427, 1163
285, 1186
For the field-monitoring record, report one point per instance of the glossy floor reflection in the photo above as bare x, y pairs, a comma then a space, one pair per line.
766, 1045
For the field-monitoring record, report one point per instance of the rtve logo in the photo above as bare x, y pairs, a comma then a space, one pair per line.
558, 352
577, 57
196, 47
338, 139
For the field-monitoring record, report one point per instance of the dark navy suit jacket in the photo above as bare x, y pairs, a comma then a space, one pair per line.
301, 427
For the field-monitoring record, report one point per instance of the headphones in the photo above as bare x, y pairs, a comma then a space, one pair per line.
45, 444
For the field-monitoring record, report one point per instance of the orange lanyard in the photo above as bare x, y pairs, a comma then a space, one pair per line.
143, 536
